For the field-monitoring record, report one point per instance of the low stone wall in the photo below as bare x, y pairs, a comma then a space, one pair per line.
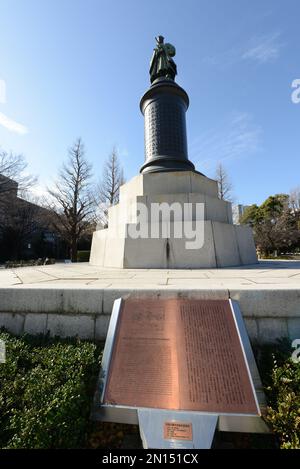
269, 314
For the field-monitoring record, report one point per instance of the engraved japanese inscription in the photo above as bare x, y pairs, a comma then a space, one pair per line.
165, 132
181, 355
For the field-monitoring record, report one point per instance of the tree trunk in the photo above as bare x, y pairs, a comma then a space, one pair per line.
74, 250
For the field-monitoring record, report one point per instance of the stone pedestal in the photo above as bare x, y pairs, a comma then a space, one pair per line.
224, 245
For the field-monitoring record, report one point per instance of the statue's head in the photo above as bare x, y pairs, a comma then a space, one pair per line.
159, 39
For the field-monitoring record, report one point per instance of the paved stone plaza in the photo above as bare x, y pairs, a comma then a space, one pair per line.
267, 274
76, 299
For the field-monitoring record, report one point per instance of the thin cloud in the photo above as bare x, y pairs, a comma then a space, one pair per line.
12, 125
234, 139
222, 59
2, 92
260, 49
263, 49
122, 151
5, 121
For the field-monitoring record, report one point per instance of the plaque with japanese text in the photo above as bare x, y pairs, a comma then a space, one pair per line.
181, 355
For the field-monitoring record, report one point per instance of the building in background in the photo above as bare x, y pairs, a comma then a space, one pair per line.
26, 230
237, 213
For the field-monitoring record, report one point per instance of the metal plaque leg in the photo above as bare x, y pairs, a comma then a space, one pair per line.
161, 429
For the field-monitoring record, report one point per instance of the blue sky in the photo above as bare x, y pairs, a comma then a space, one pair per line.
79, 67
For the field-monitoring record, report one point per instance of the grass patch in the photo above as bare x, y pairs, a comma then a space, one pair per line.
46, 388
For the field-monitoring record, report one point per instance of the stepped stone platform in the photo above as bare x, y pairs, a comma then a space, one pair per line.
76, 299
225, 244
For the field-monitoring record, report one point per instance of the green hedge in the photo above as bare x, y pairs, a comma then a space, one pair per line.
83, 256
46, 387
281, 377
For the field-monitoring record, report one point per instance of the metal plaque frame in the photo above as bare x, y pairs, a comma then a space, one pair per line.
148, 418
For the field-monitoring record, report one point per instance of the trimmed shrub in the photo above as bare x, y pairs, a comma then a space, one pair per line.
281, 377
46, 388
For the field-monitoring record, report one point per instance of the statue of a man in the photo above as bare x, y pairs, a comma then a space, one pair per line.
162, 64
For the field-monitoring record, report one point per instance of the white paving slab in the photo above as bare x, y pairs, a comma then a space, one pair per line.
283, 274
77, 299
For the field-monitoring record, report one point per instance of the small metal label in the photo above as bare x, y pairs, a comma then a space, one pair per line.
178, 431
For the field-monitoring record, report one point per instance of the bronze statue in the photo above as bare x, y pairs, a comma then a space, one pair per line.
162, 64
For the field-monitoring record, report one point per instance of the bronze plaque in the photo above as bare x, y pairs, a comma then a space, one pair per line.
181, 355
178, 431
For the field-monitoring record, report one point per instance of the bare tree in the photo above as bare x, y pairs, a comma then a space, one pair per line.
73, 204
224, 183
13, 169
109, 187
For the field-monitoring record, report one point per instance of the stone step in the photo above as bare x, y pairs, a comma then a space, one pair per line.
214, 208
220, 245
169, 183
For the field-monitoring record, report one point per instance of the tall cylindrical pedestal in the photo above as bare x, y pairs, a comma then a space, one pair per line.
164, 106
